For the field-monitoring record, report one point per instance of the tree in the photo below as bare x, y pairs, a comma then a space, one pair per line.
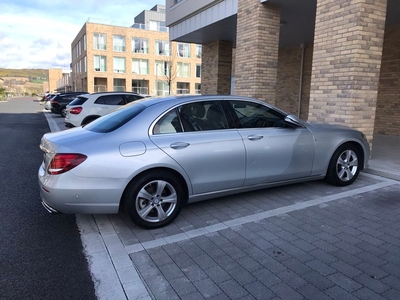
166, 69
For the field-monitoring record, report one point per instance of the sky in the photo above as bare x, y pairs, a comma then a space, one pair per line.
37, 34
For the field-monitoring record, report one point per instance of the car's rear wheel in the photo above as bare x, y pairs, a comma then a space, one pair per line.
344, 166
154, 199
88, 120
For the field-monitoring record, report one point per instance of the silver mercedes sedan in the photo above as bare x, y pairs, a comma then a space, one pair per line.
153, 156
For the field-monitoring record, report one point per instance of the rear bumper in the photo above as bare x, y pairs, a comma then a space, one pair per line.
49, 208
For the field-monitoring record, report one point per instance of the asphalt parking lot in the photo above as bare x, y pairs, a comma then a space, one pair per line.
303, 241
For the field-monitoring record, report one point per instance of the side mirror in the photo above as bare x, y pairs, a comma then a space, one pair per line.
294, 121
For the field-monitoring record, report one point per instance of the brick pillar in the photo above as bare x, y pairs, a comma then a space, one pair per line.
257, 46
216, 68
346, 62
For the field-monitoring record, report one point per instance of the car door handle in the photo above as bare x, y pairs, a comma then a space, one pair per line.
255, 137
179, 145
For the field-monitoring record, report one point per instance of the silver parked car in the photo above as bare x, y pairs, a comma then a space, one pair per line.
153, 156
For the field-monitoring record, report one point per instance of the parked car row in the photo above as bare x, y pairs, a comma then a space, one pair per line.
57, 102
81, 108
87, 107
153, 156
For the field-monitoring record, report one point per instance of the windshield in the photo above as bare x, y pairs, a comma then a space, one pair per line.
115, 119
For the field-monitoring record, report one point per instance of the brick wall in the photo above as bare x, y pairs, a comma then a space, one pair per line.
256, 59
288, 85
346, 62
387, 119
216, 68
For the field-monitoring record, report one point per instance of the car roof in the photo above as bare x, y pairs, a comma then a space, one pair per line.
177, 99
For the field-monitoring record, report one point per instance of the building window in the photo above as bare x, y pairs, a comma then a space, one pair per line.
119, 85
162, 88
162, 48
197, 88
140, 66
198, 51
99, 41
183, 69
119, 43
84, 42
198, 71
100, 63
140, 45
140, 86
163, 68
119, 65
182, 88
84, 63
183, 50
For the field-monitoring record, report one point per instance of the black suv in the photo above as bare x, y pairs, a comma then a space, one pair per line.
60, 101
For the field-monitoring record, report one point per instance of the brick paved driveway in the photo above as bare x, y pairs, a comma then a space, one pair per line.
303, 241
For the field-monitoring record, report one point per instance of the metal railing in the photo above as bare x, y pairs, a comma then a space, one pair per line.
119, 88
140, 90
100, 88
125, 24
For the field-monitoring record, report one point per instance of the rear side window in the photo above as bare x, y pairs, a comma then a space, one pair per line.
131, 98
115, 119
78, 101
111, 100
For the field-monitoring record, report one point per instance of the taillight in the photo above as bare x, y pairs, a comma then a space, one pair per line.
75, 110
64, 162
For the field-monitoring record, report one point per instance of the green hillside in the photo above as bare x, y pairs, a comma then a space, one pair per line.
34, 75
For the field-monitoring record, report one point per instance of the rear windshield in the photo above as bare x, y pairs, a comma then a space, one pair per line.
78, 101
115, 119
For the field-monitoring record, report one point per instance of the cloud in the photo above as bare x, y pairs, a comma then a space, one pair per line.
38, 34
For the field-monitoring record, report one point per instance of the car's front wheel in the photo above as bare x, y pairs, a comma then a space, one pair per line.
344, 166
154, 199
63, 111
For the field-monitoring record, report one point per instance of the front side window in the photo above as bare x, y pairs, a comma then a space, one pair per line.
119, 65
118, 43
162, 48
140, 66
140, 45
183, 50
183, 69
100, 63
99, 41
255, 115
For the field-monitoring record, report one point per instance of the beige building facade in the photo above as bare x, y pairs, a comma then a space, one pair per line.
54, 76
324, 60
137, 58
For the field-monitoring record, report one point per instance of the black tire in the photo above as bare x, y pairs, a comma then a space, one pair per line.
88, 120
63, 111
148, 193
345, 165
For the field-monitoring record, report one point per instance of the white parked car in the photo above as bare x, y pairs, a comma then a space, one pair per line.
88, 107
